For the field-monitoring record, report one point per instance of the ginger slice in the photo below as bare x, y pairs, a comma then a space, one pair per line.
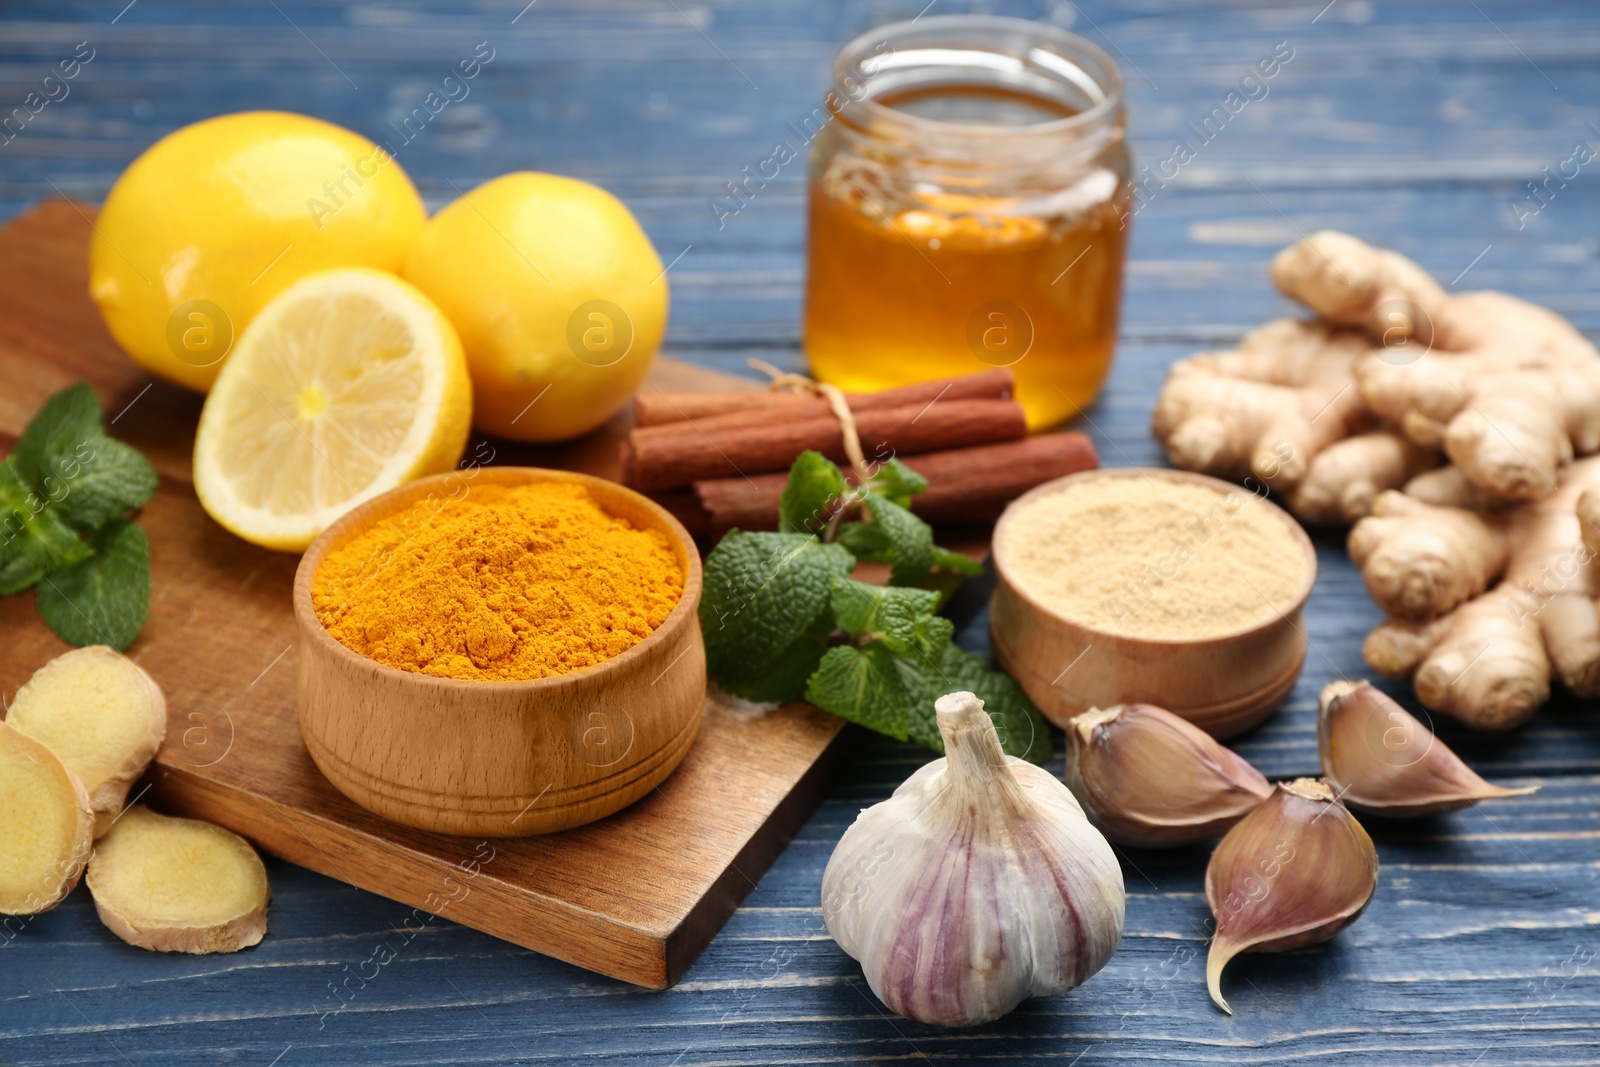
178, 885
45, 826
102, 714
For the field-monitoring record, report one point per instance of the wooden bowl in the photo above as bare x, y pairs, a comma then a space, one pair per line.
502, 759
1224, 683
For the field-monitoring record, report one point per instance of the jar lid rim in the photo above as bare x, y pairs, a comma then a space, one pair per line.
1109, 89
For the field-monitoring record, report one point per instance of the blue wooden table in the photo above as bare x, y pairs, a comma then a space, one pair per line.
1415, 125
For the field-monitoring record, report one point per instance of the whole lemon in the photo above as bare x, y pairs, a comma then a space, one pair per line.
217, 218
559, 298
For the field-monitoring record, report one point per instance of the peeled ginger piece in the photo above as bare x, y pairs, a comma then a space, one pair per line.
45, 826
178, 885
102, 714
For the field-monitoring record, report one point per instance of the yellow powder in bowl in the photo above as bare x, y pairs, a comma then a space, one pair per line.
504, 583
1153, 557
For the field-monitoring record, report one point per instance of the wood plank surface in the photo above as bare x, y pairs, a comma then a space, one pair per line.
1413, 123
635, 896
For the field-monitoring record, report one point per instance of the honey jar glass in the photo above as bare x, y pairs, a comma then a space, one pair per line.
969, 203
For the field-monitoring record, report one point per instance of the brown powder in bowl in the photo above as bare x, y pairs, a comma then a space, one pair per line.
1153, 557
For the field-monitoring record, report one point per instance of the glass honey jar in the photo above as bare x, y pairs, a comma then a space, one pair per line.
969, 204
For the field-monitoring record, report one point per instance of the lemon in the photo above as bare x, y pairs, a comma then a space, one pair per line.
559, 296
214, 220
349, 383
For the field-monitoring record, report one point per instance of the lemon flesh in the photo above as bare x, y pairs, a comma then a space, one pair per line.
346, 385
560, 298
214, 220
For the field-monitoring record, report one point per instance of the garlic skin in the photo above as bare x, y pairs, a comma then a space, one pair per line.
1147, 778
1292, 873
978, 884
1381, 760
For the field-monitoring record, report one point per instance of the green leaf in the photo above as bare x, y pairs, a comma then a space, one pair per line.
955, 562
763, 592
33, 539
929, 637
784, 679
108, 480
104, 599
882, 613
863, 685
865, 541
898, 482
1023, 731
910, 539
67, 420
815, 487
66, 457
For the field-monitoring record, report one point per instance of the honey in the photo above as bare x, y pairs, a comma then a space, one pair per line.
957, 223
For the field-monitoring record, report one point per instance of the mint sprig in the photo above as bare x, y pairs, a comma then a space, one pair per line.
783, 619
63, 493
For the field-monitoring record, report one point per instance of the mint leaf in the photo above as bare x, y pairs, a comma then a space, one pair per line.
955, 562
66, 457
862, 684
763, 592
783, 679
910, 540
865, 540
930, 635
815, 487
67, 420
104, 599
898, 482
1022, 729
33, 539
882, 613
103, 481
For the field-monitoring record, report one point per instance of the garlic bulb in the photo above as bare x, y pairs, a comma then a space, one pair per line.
1145, 777
1292, 873
978, 884
1381, 760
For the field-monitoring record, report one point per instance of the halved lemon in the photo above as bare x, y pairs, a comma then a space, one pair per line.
348, 383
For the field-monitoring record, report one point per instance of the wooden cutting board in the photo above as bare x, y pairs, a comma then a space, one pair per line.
635, 896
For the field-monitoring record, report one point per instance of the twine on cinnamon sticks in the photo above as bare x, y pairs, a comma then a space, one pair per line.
684, 438
720, 460
783, 380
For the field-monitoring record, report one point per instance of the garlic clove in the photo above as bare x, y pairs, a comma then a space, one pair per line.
1148, 778
1293, 872
979, 883
1382, 760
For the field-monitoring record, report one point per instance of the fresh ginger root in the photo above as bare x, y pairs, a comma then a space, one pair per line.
99, 712
1265, 410
1509, 390
178, 885
1421, 560
1285, 407
45, 826
1486, 657
1345, 478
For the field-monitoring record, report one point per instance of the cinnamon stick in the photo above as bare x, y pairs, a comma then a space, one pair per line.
675, 455
964, 484
660, 408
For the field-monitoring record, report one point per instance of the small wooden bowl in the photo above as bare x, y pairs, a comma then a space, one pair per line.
502, 759
1223, 683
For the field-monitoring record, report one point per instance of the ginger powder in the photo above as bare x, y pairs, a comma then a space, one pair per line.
502, 583
1153, 557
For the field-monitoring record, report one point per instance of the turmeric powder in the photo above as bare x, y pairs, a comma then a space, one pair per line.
505, 583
